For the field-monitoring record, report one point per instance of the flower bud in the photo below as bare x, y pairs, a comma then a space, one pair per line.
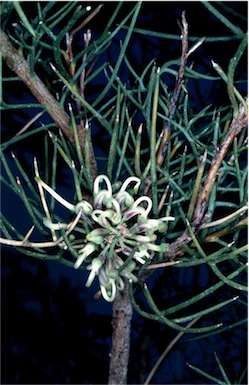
103, 279
124, 199
97, 236
130, 267
144, 238
120, 284
102, 198
130, 180
96, 185
112, 274
84, 253
94, 267
133, 211
85, 206
109, 293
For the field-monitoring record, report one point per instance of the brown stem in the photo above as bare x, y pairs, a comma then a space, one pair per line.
121, 323
176, 248
178, 87
166, 132
236, 126
19, 65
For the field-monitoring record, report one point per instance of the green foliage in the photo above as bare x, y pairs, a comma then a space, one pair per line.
135, 116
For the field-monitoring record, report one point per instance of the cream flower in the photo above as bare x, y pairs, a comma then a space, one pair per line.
119, 229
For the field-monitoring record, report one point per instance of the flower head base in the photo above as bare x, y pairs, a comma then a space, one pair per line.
120, 233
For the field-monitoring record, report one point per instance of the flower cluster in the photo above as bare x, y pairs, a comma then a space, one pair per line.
120, 235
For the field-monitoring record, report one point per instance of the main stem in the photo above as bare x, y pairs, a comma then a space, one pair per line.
121, 324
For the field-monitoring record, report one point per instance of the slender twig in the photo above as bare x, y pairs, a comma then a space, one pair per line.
230, 75
221, 233
24, 19
89, 18
28, 244
26, 126
160, 265
69, 52
87, 38
236, 126
19, 65
165, 134
176, 93
176, 248
166, 351
163, 198
43, 199
241, 211
197, 186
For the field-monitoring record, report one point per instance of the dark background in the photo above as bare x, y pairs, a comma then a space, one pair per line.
53, 331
